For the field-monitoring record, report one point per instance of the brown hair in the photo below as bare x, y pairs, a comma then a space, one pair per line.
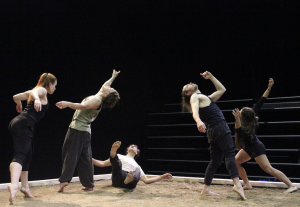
186, 104
138, 151
249, 123
44, 81
111, 99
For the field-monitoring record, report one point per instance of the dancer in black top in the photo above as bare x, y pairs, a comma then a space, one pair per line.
218, 132
22, 129
250, 146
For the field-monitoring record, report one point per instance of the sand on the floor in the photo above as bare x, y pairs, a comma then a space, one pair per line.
163, 193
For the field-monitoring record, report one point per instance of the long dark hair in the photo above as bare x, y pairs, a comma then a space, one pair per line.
186, 102
111, 99
44, 81
249, 123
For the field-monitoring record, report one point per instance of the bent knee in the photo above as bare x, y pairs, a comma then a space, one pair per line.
269, 170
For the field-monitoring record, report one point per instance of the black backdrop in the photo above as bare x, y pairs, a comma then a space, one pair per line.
157, 45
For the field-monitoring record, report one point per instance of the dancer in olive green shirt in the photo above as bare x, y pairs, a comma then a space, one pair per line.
77, 152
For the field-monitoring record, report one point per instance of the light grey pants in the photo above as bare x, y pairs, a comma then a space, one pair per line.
77, 153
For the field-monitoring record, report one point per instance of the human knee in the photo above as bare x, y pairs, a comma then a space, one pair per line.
269, 170
215, 164
18, 159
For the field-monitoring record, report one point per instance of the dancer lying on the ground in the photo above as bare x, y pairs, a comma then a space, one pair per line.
218, 132
246, 140
77, 152
126, 173
22, 129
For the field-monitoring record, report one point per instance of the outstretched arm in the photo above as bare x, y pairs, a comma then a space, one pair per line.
195, 108
92, 103
101, 163
156, 178
270, 85
113, 77
220, 88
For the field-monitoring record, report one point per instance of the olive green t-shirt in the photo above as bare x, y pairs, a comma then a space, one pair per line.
82, 119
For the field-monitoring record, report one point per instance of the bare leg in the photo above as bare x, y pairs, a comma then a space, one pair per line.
240, 158
264, 163
61, 186
238, 188
15, 172
206, 191
129, 178
114, 148
25, 187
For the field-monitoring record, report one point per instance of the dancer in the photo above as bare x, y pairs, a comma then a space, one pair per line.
77, 151
126, 173
250, 146
22, 129
219, 135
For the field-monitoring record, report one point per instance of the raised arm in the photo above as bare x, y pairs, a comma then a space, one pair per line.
113, 77
92, 103
195, 109
220, 88
263, 99
100, 163
236, 114
156, 178
270, 85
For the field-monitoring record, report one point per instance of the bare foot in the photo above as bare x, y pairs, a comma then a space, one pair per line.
89, 189
114, 148
26, 192
129, 178
240, 191
61, 186
13, 189
247, 186
208, 193
291, 189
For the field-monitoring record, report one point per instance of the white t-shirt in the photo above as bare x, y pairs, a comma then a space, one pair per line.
129, 164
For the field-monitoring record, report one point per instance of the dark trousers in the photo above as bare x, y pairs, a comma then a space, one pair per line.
77, 153
21, 129
119, 175
221, 144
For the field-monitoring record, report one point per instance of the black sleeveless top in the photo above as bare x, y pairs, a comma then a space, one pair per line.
211, 114
29, 110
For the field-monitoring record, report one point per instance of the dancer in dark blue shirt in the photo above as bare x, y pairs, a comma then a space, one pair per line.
208, 116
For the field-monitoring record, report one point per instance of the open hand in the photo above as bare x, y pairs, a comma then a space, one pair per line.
236, 113
37, 105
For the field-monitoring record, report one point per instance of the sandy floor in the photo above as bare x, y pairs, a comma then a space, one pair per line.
162, 193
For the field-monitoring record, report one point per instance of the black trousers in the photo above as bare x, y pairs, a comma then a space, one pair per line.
77, 153
119, 175
221, 145
21, 129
